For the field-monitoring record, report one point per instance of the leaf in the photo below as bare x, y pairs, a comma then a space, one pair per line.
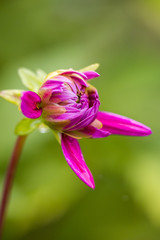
12, 96
30, 79
27, 126
92, 67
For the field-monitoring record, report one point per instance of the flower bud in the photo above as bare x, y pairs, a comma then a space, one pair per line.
65, 101
68, 101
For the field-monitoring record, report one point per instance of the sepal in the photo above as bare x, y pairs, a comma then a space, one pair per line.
12, 96
57, 136
30, 79
92, 67
41, 75
27, 126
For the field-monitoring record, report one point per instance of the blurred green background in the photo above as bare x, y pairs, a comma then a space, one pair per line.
48, 201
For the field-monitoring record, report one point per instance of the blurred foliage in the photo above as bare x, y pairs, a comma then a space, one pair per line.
48, 200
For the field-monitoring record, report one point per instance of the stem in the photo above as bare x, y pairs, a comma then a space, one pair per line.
9, 177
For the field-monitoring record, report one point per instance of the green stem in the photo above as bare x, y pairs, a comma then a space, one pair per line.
9, 178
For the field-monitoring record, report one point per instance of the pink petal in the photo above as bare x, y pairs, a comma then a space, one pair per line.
91, 75
89, 132
80, 81
74, 72
29, 105
75, 159
117, 124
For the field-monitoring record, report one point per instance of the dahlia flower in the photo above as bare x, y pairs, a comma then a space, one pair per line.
68, 104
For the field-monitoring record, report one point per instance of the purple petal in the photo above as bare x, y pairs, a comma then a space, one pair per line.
94, 132
29, 105
51, 84
59, 79
91, 74
75, 159
64, 96
74, 72
88, 132
88, 117
117, 124
80, 81
75, 120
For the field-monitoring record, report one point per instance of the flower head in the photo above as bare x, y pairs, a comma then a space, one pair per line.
65, 101
68, 104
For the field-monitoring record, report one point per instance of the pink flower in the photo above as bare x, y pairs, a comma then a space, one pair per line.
68, 104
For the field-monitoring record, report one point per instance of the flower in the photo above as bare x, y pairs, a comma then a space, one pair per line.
68, 104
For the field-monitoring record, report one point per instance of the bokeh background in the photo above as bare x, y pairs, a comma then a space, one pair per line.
48, 201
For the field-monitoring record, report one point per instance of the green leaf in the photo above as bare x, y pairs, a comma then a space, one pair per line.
92, 67
27, 126
30, 79
12, 96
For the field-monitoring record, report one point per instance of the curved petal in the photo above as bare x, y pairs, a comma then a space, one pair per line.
88, 132
74, 72
94, 130
117, 124
29, 105
80, 81
75, 159
91, 75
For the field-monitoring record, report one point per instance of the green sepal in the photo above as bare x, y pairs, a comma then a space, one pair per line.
12, 96
57, 136
92, 67
27, 126
30, 79
41, 75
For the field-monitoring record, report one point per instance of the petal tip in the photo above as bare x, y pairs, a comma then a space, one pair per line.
143, 131
90, 183
117, 124
91, 74
93, 186
148, 131
87, 178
